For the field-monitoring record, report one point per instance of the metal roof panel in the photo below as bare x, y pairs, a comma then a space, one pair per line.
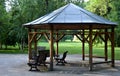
71, 13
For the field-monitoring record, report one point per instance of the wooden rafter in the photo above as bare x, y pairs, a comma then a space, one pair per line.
39, 37
32, 37
95, 37
60, 37
85, 38
110, 37
103, 39
46, 36
81, 39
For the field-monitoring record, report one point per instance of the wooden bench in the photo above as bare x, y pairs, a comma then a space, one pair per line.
47, 52
61, 60
41, 47
39, 60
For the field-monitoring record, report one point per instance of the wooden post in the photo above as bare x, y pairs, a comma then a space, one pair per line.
29, 45
90, 49
35, 42
51, 48
112, 47
57, 43
83, 47
106, 50
57, 48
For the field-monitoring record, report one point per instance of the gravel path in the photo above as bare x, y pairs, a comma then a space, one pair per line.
16, 65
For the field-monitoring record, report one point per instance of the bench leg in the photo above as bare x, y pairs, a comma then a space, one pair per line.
33, 66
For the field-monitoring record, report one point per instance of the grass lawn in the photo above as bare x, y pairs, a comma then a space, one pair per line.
76, 48
71, 47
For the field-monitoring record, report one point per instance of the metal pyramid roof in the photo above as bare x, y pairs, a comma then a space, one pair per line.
70, 13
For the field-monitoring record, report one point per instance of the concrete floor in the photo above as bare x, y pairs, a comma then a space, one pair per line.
16, 65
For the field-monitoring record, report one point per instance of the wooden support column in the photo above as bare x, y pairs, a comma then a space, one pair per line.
112, 47
35, 42
29, 45
90, 49
57, 43
57, 48
106, 50
83, 46
51, 48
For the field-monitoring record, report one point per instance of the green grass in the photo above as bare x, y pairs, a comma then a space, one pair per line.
13, 50
71, 47
76, 48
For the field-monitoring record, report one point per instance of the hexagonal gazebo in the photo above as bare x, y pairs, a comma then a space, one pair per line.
86, 26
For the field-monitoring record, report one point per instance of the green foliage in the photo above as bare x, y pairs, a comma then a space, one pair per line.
115, 16
100, 7
4, 22
22, 11
109, 9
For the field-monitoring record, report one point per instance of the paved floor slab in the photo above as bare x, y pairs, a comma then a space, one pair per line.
16, 65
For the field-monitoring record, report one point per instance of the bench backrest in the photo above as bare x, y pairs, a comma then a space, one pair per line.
41, 58
64, 55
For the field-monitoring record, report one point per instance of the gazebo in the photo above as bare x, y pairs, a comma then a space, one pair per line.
87, 27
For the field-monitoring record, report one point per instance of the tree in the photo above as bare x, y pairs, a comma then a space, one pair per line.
100, 7
4, 21
23, 11
115, 16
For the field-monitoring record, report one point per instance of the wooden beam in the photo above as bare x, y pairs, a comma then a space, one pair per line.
112, 47
85, 38
106, 50
95, 37
46, 36
60, 37
35, 42
83, 46
57, 41
109, 37
57, 44
29, 45
51, 48
103, 39
90, 48
39, 37
79, 37
33, 35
